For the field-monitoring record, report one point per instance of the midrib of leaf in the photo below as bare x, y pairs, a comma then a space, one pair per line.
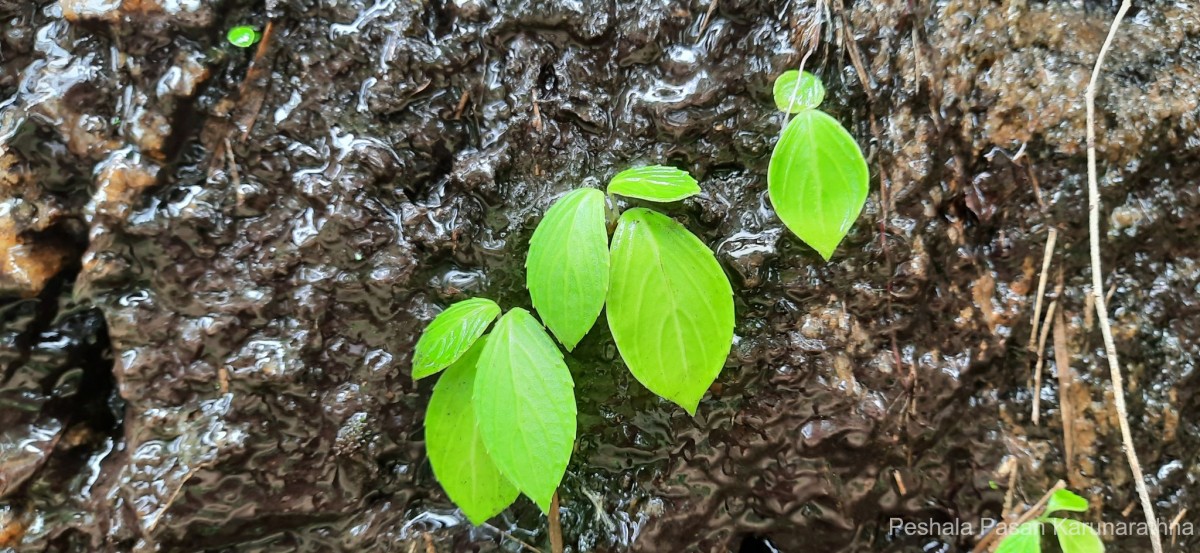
675, 311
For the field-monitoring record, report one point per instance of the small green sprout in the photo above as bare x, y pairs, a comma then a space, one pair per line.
817, 178
243, 36
1073, 536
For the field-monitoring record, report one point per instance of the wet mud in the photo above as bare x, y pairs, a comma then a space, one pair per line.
214, 263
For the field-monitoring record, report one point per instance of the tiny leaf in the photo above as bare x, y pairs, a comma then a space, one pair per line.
1076, 537
1026, 538
817, 180
1065, 500
242, 36
655, 183
670, 307
525, 403
451, 334
567, 266
796, 92
456, 451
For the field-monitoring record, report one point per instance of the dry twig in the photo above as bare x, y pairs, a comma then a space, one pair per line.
1110, 347
1041, 361
1066, 381
1047, 255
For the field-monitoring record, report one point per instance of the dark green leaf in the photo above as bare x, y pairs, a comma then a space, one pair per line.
525, 403
656, 183
796, 92
567, 267
455, 449
817, 180
670, 307
451, 334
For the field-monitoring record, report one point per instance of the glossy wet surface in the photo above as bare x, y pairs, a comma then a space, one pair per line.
213, 275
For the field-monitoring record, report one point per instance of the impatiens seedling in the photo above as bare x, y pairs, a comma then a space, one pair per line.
1073, 536
817, 178
501, 421
243, 36
670, 306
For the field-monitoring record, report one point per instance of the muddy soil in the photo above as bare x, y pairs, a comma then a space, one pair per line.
215, 262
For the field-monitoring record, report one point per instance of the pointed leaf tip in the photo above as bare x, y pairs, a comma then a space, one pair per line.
525, 404
670, 307
655, 183
817, 180
455, 449
567, 265
451, 334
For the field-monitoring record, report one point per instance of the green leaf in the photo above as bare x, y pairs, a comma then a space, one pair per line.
656, 183
1026, 538
525, 403
451, 334
817, 180
567, 267
242, 36
796, 92
670, 307
456, 451
1065, 500
1076, 537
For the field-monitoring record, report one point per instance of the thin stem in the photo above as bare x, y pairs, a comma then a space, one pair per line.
1110, 348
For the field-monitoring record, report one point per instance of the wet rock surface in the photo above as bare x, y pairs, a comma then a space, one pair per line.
215, 263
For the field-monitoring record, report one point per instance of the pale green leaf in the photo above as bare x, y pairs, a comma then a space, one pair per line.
1076, 537
1026, 538
670, 307
451, 334
817, 180
567, 266
796, 92
525, 403
456, 452
1065, 500
656, 183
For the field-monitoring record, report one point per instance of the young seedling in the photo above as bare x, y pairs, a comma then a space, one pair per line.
1073, 536
501, 421
243, 36
817, 178
669, 304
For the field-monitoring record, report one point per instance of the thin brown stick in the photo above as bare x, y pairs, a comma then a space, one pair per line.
1011, 492
1175, 525
1110, 347
1047, 255
523, 545
1041, 361
1028, 515
462, 105
556, 538
712, 7
537, 113
254, 73
1066, 381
